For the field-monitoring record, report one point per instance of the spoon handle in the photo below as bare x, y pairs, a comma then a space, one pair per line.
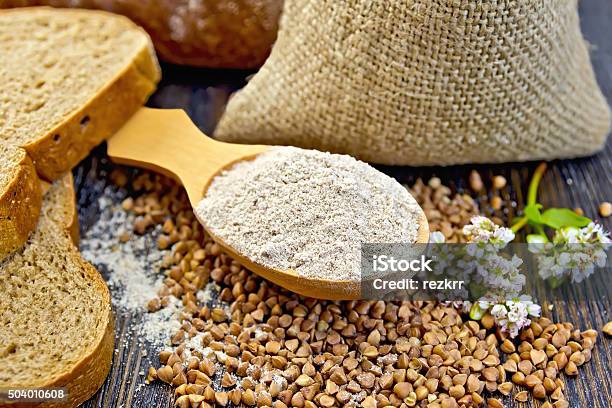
168, 142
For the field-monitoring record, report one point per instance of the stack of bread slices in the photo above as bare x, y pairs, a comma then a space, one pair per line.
68, 80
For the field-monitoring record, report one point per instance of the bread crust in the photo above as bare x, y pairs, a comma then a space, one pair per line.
20, 206
69, 218
86, 377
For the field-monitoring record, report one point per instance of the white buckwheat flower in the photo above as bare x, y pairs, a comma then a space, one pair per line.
480, 262
511, 315
573, 252
483, 230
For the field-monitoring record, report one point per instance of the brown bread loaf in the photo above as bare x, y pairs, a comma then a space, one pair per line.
204, 33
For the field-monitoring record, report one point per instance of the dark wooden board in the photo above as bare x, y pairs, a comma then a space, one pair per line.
569, 183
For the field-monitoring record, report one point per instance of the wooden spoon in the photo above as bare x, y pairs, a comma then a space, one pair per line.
168, 142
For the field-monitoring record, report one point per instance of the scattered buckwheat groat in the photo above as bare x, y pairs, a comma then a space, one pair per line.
446, 212
607, 329
499, 182
256, 344
605, 209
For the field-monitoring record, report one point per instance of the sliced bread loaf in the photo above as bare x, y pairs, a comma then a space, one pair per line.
68, 80
56, 326
20, 198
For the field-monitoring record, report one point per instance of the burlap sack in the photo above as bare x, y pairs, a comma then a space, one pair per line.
425, 82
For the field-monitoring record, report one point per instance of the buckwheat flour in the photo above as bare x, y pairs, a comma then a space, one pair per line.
308, 211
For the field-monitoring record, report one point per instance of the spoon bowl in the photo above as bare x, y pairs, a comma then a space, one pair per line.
167, 141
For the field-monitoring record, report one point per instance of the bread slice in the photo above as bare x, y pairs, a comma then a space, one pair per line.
20, 198
56, 326
68, 80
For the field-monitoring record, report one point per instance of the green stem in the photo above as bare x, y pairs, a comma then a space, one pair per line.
532, 193
519, 224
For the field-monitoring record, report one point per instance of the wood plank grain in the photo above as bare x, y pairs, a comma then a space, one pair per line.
570, 183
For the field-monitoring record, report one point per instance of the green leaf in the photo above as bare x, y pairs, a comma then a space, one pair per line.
562, 217
532, 212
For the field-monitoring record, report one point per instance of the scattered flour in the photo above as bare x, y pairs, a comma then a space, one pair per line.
133, 273
132, 268
195, 344
309, 211
157, 328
